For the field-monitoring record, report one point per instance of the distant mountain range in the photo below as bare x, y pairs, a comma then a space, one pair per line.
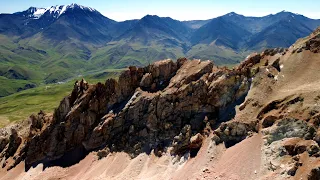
47, 45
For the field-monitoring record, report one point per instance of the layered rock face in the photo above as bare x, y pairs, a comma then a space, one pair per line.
164, 107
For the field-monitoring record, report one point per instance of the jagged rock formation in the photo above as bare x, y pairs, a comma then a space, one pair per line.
174, 107
162, 105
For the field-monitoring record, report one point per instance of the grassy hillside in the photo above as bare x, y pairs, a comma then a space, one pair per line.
219, 54
21, 105
72, 59
122, 54
10, 86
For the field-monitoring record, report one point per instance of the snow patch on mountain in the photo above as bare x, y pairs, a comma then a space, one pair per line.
73, 5
57, 11
39, 12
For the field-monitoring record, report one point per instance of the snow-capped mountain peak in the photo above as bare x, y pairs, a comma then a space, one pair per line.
55, 11
74, 5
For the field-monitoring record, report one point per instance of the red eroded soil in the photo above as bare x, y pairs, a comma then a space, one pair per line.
241, 161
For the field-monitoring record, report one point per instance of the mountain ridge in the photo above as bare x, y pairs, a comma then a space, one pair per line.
72, 5
71, 40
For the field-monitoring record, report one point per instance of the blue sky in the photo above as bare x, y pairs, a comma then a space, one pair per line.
178, 9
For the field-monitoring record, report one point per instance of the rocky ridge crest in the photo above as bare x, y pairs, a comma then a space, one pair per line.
166, 106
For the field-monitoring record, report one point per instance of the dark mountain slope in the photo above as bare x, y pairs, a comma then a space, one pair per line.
258, 24
12, 25
146, 40
283, 34
122, 27
196, 24
278, 30
221, 33
251, 24
153, 28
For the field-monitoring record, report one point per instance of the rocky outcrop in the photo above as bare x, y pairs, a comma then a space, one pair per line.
272, 52
9, 147
164, 106
233, 132
314, 174
311, 44
288, 128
